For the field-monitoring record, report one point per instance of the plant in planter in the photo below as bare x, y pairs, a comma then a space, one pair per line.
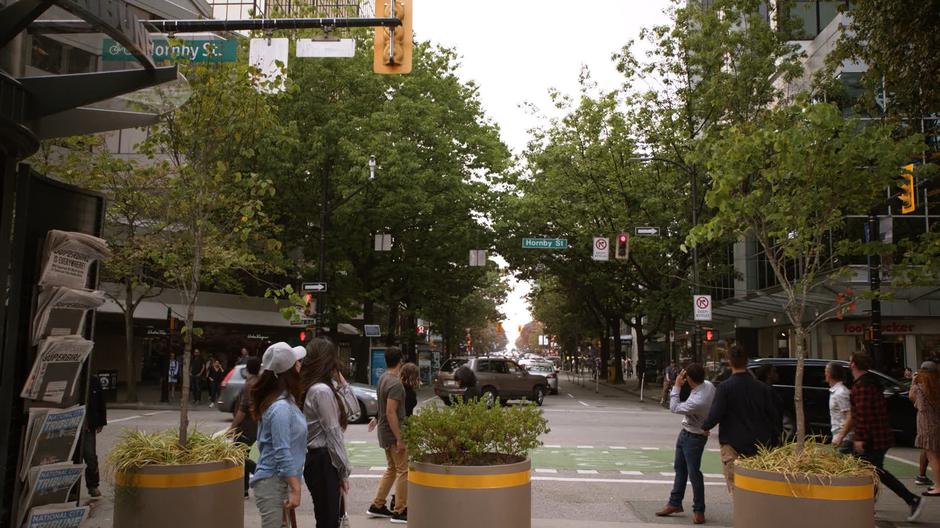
469, 465
788, 182
152, 470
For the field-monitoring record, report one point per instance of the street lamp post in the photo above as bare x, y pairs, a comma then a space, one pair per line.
694, 249
325, 211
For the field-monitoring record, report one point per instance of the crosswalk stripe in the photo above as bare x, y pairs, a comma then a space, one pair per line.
545, 470
634, 473
667, 474
713, 475
587, 472
376, 468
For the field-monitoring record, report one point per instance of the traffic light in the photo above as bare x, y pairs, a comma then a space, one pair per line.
908, 191
622, 251
393, 45
310, 305
303, 336
711, 334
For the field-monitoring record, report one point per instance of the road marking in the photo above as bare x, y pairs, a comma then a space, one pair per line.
136, 416
582, 403
585, 447
650, 448
634, 473
587, 472
902, 460
358, 442
713, 475
605, 452
377, 468
570, 395
667, 474
544, 470
551, 446
582, 411
713, 450
617, 447
574, 479
155, 413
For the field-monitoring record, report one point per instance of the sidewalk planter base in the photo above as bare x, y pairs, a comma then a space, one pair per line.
774, 500
178, 496
470, 496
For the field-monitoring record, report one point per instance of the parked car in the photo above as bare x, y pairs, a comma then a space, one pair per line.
499, 379
546, 369
235, 380
901, 411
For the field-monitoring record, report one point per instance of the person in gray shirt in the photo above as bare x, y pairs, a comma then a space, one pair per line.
691, 442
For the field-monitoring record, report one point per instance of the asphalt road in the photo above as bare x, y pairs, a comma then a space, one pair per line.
608, 458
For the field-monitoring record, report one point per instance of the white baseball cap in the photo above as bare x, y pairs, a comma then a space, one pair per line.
280, 357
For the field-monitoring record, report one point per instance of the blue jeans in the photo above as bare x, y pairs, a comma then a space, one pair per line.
688, 466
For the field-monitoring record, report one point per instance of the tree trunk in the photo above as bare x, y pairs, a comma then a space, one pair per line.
129, 341
605, 353
798, 387
392, 323
640, 368
187, 359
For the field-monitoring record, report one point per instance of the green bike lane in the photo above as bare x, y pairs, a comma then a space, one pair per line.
622, 461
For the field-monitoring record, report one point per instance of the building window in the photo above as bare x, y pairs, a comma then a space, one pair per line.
47, 54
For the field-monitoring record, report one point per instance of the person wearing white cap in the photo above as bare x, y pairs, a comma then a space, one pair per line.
282, 434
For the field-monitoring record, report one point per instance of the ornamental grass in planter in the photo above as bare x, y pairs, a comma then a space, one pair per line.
469, 465
159, 482
816, 484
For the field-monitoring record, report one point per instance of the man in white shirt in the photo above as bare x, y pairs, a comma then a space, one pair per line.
691, 442
840, 406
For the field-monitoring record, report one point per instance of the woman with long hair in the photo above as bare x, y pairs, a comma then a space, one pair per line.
328, 403
925, 393
282, 434
410, 379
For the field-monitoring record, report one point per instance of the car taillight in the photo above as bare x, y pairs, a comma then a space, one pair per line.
551, 376
227, 377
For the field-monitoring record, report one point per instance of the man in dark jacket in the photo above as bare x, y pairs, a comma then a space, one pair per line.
746, 410
96, 417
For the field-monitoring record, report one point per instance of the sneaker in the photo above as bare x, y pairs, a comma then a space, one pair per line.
379, 512
923, 480
211, 405
400, 517
94, 493
917, 506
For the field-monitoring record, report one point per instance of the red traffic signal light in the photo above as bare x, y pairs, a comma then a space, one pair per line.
711, 335
622, 251
303, 336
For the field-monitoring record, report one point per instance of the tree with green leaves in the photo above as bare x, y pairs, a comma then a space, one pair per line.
788, 183
217, 221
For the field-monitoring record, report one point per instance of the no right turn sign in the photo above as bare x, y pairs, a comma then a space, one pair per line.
702, 306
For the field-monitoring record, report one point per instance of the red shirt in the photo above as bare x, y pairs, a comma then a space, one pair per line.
870, 413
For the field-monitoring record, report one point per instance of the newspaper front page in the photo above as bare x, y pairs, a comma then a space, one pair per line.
51, 436
55, 372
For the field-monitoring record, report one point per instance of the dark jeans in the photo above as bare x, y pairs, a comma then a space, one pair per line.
323, 483
213, 390
688, 465
90, 457
196, 388
876, 457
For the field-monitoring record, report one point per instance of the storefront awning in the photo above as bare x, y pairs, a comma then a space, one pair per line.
204, 314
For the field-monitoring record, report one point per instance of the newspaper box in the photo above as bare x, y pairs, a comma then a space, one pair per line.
108, 380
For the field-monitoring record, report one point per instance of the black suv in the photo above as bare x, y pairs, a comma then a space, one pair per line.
901, 411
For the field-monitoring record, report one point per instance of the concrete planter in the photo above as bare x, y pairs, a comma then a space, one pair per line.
470, 496
177, 496
775, 500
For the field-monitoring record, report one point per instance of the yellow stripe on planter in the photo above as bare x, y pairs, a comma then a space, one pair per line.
179, 480
802, 490
437, 480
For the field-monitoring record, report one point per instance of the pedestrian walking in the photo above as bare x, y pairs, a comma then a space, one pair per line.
925, 393
173, 374
96, 417
873, 434
691, 442
327, 405
467, 381
282, 434
669, 379
197, 371
410, 379
840, 406
391, 414
215, 377
746, 410
243, 357
244, 427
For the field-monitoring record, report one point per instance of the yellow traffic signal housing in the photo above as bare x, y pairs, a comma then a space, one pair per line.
393, 45
908, 194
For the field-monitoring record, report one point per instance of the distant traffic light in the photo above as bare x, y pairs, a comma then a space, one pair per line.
908, 194
622, 251
393, 45
303, 336
711, 334
310, 305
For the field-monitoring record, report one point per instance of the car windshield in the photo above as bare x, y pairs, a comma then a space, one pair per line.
541, 368
453, 364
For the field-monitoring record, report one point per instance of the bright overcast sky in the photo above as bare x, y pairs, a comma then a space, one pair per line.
516, 50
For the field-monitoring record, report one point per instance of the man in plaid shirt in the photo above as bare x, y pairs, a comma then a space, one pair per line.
873, 435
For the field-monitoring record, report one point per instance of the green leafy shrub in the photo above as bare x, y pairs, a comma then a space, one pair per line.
473, 434
136, 449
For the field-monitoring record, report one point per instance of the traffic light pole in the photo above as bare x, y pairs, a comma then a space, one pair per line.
321, 274
874, 285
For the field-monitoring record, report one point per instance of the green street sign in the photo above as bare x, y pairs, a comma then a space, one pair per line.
163, 50
544, 243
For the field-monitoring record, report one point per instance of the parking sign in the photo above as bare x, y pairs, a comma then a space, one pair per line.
702, 305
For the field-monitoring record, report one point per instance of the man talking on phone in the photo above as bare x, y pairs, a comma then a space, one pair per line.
691, 442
